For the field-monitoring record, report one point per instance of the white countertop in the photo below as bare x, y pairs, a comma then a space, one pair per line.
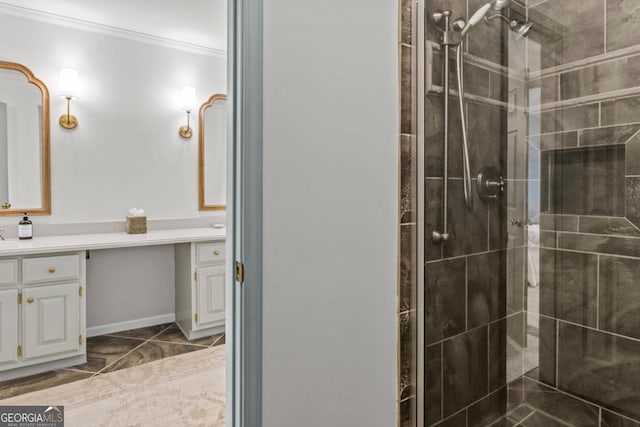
81, 242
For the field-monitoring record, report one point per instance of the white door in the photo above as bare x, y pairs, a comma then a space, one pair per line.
210, 298
8, 326
51, 320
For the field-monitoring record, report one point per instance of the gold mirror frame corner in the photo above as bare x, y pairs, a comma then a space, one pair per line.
202, 206
46, 144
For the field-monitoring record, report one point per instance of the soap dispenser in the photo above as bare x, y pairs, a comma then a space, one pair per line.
25, 228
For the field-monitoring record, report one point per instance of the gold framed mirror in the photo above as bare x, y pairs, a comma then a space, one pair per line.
25, 160
212, 154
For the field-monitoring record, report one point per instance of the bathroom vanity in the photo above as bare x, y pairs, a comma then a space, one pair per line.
43, 292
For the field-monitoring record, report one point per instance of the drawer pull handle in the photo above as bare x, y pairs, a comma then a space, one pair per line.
52, 270
216, 253
30, 300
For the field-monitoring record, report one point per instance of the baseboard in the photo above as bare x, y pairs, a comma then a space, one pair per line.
131, 324
39, 368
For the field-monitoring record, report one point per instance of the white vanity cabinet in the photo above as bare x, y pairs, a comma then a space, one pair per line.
200, 288
42, 313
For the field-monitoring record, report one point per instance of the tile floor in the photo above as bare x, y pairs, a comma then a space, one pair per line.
113, 352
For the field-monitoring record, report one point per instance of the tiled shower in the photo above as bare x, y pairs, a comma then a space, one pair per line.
530, 312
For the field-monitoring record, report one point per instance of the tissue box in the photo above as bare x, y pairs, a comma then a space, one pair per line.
136, 224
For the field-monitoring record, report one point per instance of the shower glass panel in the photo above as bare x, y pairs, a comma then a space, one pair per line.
532, 303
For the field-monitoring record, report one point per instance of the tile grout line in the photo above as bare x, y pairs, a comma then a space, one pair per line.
598, 292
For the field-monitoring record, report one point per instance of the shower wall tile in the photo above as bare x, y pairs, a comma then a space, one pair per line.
407, 90
515, 342
476, 81
600, 78
515, 394
487, 142
632, 156
407, 329
406, 22
568, 285
610, 419
600, 367
433, 377
408, 262
619, 295
560, 405
433, 217
446, 285
434, 136
559, 29
608, 225
488, 410
457, 420
487, 41
611, 245
486, 293
406, 412
608, 135
570, 118
458, 10
557, 141
548, 239
623, 24
497, 355
515, 279
408, 177
549, 88
620, 111
465, 370
547, 351
468, 230
538, 419
632, 199
558, 222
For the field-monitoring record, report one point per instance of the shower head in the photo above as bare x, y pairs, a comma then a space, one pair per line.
482, 12
522, 29
499, 4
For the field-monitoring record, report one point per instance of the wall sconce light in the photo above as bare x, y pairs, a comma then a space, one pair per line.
187, 104
69, 91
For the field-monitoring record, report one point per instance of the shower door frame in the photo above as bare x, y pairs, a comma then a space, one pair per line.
420, 210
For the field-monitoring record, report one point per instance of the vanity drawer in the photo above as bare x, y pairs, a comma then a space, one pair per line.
50, 269
210, 253
8, 272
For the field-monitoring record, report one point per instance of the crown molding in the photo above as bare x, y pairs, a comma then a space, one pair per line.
108, 30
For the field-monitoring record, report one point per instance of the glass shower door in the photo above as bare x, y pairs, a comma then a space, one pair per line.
532, 307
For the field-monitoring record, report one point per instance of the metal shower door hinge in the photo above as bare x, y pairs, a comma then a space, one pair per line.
239, 272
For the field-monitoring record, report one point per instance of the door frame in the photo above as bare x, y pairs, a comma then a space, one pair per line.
244, 211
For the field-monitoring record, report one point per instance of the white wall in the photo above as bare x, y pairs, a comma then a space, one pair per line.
330, 146
126, 150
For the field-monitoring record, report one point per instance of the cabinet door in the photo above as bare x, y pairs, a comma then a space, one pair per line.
8, 326
210, 295
51, 320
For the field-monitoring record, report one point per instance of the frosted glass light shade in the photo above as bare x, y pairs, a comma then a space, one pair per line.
188, 99
68, 83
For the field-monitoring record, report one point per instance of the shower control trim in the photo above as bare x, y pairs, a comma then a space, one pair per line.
490, 184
